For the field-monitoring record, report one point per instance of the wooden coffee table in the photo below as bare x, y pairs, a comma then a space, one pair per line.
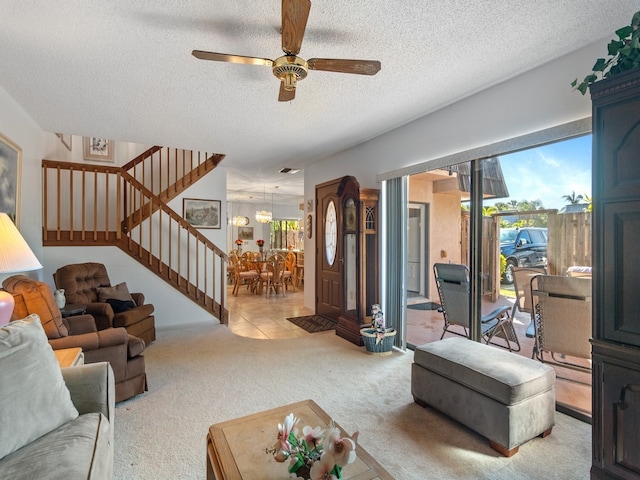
236, 449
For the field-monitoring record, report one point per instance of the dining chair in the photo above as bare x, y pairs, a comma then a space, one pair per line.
273, 275
242, 274
299, 269
289, 270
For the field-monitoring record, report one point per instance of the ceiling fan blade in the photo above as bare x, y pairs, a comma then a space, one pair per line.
223, 57
294, 21
359, 67
285, 95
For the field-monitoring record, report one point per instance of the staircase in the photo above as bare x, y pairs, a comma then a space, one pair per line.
127, 207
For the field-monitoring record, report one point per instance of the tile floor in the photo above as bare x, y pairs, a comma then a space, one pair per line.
262, 316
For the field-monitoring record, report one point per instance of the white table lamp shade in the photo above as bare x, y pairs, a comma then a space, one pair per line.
15, 257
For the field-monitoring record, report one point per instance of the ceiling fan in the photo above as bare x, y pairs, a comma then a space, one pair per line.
290, 68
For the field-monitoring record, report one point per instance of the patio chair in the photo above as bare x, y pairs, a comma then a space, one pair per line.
522, 286
563, 320
452, 281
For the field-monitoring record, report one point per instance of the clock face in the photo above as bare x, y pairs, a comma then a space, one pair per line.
350, 214
330, 233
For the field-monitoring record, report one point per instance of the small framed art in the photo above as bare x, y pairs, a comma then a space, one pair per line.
98, 149
202, 213
10, 165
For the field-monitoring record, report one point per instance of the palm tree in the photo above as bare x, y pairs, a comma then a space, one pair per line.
573, 199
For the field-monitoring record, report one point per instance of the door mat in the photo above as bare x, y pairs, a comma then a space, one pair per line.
424, 306
313, 323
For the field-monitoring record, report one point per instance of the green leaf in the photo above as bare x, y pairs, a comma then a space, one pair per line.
613, 47
295, 466
600, 65
582, 88
624, 32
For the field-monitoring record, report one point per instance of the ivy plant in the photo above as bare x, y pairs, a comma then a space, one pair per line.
624, 55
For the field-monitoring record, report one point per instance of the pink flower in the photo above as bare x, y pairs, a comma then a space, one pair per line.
284, 429
343, 450
321, 470
312, 436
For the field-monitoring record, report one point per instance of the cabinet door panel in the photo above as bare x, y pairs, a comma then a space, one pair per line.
620, 150
621, 275
621, 417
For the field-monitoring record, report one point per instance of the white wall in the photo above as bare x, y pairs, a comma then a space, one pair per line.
533, 101
16, 125
171, 308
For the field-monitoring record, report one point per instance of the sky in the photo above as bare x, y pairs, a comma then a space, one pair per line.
549, 172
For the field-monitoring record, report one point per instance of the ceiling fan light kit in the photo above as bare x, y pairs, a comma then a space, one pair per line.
290, 68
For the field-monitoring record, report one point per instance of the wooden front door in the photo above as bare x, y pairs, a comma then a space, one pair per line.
329, 250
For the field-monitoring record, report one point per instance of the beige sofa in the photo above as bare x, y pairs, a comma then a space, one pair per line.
63, 425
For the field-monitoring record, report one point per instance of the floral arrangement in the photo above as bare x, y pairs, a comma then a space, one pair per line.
260, 242
377, 322
238, 242
314, 453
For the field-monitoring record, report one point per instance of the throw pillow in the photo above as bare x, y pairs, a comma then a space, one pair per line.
119, 292
34, 400
119, 306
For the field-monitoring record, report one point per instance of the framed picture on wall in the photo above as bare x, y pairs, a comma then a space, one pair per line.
98, 149
10, 165
245, 233
202, 213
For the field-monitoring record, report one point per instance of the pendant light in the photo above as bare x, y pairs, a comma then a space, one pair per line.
263, 216
240, 221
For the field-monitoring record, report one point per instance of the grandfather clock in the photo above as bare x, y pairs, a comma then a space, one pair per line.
346, 254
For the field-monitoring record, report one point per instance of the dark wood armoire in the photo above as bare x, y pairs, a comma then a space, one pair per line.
616, 280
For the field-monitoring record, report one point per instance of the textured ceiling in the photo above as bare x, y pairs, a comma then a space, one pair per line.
123, 70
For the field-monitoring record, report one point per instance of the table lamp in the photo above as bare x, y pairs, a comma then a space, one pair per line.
15, 257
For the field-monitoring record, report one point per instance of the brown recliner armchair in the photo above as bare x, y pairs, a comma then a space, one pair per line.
86, 283
113, 345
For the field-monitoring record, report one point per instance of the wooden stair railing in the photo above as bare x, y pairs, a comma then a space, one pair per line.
84, 205
167, 172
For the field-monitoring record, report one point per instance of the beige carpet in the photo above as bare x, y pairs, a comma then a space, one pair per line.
204, 375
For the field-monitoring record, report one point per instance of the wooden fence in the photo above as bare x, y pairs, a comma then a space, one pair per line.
569, 244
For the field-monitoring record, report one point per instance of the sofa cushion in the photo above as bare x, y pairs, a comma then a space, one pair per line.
119, 292
34, 296
77, 450
34, 400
